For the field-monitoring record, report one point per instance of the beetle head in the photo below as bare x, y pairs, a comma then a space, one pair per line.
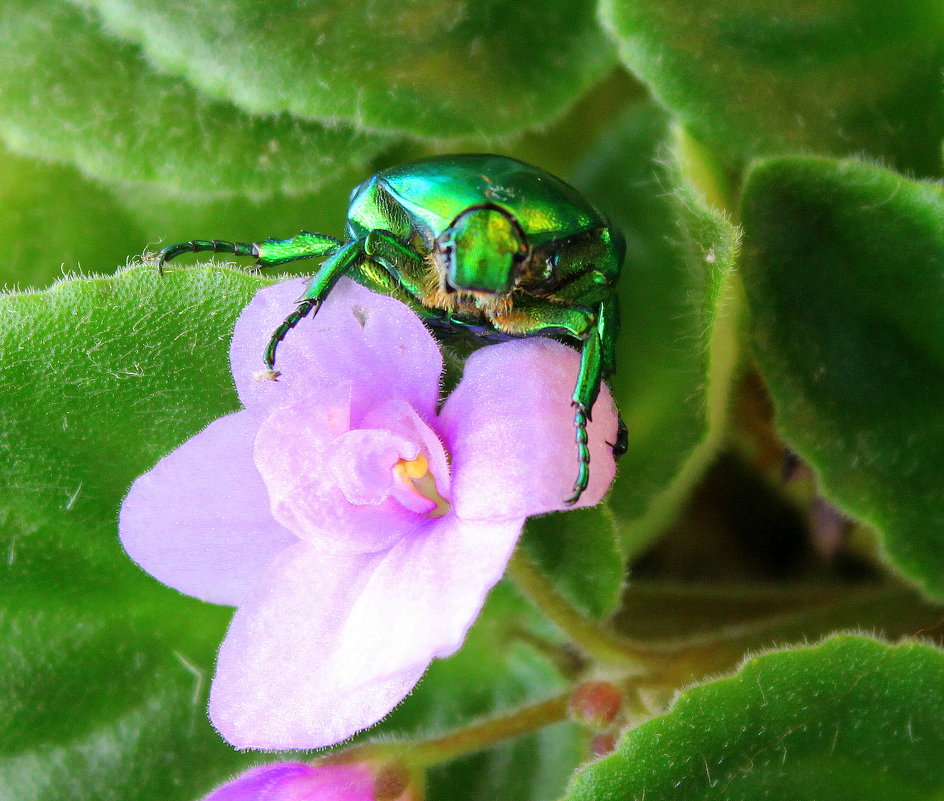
482, 250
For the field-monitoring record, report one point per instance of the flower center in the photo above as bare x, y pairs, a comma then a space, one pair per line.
415, 478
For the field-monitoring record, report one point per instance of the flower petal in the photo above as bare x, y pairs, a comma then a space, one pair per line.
362, 463
329, 644
200, 521
294, 781
293, 455
278, 684
401, 418
358, 336
509, 428
420, 601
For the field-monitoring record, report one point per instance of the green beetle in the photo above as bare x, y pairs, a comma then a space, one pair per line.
477, 243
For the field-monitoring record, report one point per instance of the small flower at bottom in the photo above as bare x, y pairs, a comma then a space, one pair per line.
295, 781
356, 525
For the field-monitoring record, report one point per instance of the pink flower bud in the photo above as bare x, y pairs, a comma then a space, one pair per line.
595, 704
294, 781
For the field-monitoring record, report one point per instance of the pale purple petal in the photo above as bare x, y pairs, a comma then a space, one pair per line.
295, 440
362, 463
294, 781
199, 521
401, 418
423, 597
509, 428
372, 341
328, 646
278, 684
293, 455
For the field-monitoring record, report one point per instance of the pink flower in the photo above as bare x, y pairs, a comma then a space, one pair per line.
357, 528
294, 781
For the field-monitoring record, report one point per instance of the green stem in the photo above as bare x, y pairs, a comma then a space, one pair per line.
465, 740
686, 658
890, 609
481, 735
598, 643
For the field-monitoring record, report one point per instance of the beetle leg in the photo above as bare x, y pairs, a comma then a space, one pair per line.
394, 269
584, 396
405, 268
588, 288
267, 253
205, 246
301, 246
585, 326
608, 325
386, 248
319, 285
597, 359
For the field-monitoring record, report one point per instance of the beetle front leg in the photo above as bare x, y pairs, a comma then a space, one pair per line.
394, 269
205, 246
344, 260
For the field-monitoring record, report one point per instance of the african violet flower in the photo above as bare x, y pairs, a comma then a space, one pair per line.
294, 781
356, 528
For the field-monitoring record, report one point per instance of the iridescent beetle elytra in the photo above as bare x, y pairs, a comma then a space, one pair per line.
477, 243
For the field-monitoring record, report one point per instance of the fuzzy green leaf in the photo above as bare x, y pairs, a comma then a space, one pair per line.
763, 78
55, 221
578, 551
674, 350
850, 718
99, 703
435, 69
106, 671
73, 94
843, 272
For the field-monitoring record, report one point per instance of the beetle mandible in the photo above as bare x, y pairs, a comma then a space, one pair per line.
478, 243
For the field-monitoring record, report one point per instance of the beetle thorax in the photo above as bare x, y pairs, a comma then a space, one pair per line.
478, 259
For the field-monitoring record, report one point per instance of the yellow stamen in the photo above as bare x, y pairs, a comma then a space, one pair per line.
414, 468
415, 475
